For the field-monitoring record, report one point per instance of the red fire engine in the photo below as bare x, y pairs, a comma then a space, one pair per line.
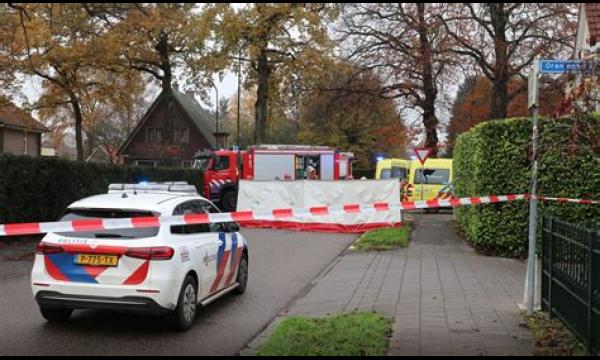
223, 168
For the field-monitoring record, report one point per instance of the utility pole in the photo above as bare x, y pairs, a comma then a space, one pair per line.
531, 258
216, 112
238, 93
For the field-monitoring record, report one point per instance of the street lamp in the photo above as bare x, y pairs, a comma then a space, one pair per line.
238, 93
216, 111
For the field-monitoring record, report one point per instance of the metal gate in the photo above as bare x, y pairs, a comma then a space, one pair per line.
571, 278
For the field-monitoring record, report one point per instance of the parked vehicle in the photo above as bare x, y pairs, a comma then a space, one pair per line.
166, 270
431, 180
392, 169
223, 169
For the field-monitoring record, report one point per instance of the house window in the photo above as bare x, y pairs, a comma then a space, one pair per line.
181, 135
153, 135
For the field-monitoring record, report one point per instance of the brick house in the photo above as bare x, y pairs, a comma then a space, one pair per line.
173, 129
588, 31
587, 48
20, 134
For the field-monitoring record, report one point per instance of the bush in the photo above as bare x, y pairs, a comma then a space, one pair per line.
39, 189
493, 158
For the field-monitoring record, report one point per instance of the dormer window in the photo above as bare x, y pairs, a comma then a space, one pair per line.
153, 135
181, 135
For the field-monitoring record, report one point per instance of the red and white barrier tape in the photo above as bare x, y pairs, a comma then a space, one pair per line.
241, 216
566, 200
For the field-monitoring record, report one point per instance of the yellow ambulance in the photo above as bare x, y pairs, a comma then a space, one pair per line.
392, 169
430, 181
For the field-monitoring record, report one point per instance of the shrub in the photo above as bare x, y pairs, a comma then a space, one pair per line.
39, 189
493, 158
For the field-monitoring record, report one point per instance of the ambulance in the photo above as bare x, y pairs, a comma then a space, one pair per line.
392, 169
432, 180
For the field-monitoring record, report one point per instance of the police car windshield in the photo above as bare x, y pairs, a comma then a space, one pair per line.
128, 233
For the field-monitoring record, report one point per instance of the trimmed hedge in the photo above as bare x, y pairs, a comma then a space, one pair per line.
493, 158
39, 189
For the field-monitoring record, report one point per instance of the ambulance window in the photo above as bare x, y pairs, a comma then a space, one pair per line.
432, 176
398, 172
395, 172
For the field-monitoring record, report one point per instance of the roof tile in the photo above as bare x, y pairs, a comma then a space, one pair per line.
592, 11
13, 116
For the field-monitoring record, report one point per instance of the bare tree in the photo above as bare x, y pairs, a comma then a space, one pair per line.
408, 47
503, 39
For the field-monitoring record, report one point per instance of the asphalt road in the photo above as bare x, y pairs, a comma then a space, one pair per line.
282, 265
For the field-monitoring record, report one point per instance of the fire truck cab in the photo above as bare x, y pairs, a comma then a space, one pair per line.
224, 168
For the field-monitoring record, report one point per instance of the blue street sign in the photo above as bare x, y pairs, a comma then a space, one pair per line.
561, 66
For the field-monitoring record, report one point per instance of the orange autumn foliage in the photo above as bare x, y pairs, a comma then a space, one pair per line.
472, 104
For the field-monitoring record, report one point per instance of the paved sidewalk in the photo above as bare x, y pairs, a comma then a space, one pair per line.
445, 298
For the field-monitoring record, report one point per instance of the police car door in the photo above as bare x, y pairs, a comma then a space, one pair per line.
228, 253
196, 243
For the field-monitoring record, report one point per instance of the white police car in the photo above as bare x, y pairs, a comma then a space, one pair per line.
166, 270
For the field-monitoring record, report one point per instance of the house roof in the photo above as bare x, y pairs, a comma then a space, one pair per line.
201, 117
14, 117
592, 13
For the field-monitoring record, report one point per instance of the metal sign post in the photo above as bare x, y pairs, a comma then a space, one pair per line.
531, 258
422, 154
539, 67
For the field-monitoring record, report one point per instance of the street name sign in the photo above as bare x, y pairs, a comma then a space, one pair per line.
561, 66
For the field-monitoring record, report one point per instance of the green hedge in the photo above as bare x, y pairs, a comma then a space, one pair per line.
39, 189
493, 158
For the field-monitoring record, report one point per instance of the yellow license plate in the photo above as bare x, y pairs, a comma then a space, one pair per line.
97, 260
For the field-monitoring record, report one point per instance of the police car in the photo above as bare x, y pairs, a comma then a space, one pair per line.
167, 270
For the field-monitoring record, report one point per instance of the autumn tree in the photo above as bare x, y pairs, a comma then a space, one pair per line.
108, 116
472, 105
156, 39
61, 44
503, 39
274, 41
247, 102
351, 119
407, 46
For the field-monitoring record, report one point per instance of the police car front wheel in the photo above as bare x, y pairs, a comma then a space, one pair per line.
182, 318
242, 276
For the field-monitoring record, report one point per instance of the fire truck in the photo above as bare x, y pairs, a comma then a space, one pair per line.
224, 168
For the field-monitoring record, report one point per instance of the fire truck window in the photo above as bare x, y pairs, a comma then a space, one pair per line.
221, 163
312, 168
202, 164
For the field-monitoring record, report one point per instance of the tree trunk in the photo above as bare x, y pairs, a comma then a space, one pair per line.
430, 121
78, 121
162, 46
262, 98
499, 98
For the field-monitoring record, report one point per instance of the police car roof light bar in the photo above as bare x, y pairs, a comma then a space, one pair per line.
168, 186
